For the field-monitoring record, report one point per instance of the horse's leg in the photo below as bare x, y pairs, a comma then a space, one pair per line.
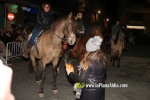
40, 70
119, 56
113, 61
58, 70
55, 62
118, 66
43, 76
35, 68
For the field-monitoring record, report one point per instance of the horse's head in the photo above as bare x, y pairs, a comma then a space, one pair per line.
96, 31
69, 29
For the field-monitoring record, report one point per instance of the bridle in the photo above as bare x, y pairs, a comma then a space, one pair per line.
64, 38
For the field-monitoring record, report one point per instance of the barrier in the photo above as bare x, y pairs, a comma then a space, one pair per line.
14, 49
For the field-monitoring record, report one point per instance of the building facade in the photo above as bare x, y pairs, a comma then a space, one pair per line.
135, 13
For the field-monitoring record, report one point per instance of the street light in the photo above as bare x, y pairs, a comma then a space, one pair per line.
107, 20
98, 15
99, 12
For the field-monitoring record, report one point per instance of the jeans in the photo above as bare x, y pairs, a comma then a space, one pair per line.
35, 33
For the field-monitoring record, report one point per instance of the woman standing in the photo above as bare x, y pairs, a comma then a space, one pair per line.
92, 71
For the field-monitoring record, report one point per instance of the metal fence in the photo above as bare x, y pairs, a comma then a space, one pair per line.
14, 49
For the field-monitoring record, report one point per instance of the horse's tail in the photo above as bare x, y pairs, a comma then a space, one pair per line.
30, 67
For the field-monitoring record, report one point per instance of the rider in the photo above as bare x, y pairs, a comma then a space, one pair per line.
80, 24
79, 30
44, 19
115, 29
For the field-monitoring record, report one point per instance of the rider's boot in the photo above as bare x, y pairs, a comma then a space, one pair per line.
26, 53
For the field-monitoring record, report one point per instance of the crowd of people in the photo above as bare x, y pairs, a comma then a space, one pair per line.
18, 34
13, 36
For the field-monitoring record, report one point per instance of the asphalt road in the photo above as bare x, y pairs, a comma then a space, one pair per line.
134, 72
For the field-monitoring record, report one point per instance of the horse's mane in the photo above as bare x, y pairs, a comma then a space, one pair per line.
116, 37
57, 21
89, 28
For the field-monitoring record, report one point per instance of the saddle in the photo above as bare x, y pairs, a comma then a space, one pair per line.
37, 39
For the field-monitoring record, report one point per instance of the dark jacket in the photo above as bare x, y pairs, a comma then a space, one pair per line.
80, 25
95, 74
115, 30
44, 19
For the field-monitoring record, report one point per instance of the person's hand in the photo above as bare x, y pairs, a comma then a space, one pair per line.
5, 82
69, 68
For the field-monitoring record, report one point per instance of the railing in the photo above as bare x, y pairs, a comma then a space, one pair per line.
14, 49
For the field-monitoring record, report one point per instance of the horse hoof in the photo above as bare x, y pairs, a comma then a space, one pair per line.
55, 91
41, 95
58, 71
38, 82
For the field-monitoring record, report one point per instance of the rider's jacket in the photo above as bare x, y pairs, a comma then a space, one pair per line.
44, 19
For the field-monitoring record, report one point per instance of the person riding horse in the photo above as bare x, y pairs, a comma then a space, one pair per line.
80, 28
80, 24
115, 29
44, 19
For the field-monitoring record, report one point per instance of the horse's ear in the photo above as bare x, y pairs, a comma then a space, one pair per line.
70, 15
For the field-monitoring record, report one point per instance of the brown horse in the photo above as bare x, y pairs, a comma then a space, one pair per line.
117, 45
49, 47
80, 50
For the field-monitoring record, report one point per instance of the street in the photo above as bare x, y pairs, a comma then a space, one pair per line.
134, 72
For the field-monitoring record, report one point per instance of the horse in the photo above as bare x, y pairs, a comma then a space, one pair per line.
79, 49
117, 45
48, 48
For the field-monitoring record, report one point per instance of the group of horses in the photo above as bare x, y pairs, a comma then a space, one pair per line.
49, 47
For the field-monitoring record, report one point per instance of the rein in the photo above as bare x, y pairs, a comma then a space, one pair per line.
64, 39
60, 37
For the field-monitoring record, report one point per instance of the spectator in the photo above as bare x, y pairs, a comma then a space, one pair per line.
8, 37
92, 70
5, 92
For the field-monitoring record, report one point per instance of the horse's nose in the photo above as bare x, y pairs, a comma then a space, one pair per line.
72, 41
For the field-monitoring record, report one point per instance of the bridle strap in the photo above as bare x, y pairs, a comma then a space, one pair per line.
60, 37
63, 39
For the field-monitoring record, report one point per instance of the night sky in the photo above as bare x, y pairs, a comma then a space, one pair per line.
112, 8
108, 7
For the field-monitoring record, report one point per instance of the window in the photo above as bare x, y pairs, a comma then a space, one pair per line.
136, 16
